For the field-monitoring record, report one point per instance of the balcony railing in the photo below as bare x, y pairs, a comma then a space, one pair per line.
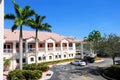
8, 50
64, 48
41, 49
50, 49
70, 48
30, 50
58, 48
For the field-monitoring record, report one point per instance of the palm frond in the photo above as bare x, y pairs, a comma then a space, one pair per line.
17, 8
9, 16
46, 27
14, 27
42, 18
27, 12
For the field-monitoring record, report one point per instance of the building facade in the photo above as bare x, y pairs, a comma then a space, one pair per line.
51, 47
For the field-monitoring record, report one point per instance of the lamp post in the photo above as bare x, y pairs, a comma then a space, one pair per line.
1, 37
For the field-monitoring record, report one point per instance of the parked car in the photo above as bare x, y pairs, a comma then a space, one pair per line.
79, 62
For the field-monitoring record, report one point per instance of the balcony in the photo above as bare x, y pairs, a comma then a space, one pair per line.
8, 50
41, 49
50, 49
70, 48
58, 48
64, 48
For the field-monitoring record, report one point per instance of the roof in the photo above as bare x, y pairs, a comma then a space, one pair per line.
42, 36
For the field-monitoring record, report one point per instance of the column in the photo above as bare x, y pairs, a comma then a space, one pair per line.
13, 56
54, 46
73, 46
14, 47
67, 46
61, 46
46, 46
1, 37
26, 46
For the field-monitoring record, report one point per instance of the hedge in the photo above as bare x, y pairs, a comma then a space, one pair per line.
42, 68
25, 75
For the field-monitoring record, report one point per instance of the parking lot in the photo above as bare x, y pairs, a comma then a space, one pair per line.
74, 72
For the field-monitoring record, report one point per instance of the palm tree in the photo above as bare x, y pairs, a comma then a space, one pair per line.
22, 15
38, 24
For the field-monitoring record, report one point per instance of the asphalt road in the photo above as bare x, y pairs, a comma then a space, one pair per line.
73, 72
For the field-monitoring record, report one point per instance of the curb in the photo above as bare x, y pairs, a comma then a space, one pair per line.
99, 61
107, 77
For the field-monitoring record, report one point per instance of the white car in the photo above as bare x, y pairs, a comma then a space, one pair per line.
79, 62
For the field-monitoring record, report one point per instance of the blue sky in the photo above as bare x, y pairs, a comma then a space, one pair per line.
74, 17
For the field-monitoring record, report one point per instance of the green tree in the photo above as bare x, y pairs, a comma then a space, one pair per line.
112, 46
38, 24
22, 15
93, 39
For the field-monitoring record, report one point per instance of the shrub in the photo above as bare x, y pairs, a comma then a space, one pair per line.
15, 75
29, 67
25, 75
113, 72
43, 68
32, 75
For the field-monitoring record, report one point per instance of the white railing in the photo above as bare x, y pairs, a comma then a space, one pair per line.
64, 48
58, 48
8, 50
41, 49
30, 50
70, 48
50, 49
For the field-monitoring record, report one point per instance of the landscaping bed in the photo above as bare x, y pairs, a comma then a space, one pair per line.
113, 72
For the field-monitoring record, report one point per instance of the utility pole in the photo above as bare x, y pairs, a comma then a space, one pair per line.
1, 36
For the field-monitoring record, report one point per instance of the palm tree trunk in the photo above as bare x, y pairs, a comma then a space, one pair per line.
36, 49
21, 47
113, 58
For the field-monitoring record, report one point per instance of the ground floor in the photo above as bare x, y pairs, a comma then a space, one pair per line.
29, 58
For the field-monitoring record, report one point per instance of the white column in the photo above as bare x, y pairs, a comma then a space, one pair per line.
54, 46
74, 46
61, 46
14, 47
46, 46
1, 37
67, 46
26, 46
13, 56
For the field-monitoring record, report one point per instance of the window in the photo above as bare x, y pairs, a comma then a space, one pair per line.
50, 57
72, 55
44, 58
29, 45
17, 45
56, 56
64, 56
41, 45
70, 44
31, 59
39, 58
17, 60
59, 56
56, 45
24, 60
69, 55
7, 46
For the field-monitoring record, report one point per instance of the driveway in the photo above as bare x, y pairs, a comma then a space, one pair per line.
73, 72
